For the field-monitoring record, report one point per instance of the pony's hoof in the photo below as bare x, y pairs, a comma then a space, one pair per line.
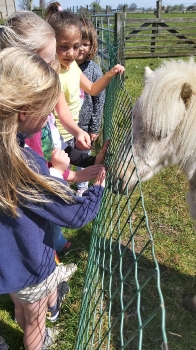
189, 302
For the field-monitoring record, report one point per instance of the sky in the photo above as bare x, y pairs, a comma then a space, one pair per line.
115, 3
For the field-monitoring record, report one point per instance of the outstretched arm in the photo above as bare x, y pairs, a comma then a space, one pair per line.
87, 174
82, 137
95, 88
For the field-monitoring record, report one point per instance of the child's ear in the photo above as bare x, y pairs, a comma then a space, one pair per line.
22, 113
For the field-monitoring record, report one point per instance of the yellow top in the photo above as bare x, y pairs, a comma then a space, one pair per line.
70, 85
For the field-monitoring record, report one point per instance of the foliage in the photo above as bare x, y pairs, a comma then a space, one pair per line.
95, 6
26, 5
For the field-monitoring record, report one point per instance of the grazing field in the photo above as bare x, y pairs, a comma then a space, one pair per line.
175, 242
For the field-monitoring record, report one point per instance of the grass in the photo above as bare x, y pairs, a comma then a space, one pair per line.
175, 243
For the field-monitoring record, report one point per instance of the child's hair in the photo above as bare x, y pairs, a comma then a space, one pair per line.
56, 65
25, 28
89, 33
63, 20
52, 8
27, 83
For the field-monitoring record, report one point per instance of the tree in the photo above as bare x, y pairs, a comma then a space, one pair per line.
132, 7
95, 5
120, 7
26, 5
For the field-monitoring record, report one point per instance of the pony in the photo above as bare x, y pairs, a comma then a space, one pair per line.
164, 128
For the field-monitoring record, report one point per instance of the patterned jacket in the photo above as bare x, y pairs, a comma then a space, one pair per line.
92, 108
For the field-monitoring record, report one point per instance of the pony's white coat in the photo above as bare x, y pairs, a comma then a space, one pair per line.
164, 126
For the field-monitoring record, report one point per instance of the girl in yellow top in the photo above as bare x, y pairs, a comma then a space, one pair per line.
67, 27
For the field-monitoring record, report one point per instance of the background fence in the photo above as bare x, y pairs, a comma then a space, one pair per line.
122, 305
169, 36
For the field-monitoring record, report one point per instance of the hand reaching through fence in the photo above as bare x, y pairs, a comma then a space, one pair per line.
118, 69
100, 179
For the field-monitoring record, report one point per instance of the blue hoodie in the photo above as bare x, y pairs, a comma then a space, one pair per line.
26, 244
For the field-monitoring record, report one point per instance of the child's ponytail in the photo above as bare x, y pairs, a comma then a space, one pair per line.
53, 7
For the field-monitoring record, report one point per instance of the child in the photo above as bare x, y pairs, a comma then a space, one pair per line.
31, 198
53, 140
92, 108
67, 27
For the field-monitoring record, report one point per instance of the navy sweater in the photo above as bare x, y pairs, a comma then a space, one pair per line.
26, 244
92, 108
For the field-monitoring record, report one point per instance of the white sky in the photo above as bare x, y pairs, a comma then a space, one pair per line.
115, 3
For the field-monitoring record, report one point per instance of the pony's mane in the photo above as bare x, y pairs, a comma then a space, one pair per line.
163, 110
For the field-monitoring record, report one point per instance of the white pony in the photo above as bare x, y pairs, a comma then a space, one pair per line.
164, 127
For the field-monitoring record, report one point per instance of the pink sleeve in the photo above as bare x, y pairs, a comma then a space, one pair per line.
35, 143
66, 174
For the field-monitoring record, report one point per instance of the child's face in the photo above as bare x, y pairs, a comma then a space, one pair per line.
84, 51
30, 125
68, 44
48, 52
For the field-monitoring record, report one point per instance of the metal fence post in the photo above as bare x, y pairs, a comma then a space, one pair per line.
119, 36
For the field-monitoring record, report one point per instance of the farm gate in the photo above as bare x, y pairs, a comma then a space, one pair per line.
146, 37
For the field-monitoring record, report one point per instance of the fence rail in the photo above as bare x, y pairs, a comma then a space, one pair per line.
146, 37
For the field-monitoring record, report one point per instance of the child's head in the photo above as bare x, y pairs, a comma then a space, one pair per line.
67, 27
25, 28
29, 90
89, 46
52, 8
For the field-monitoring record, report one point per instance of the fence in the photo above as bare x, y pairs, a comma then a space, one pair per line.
122, 275
147, 37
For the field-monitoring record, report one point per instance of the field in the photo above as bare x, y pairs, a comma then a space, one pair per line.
175, 243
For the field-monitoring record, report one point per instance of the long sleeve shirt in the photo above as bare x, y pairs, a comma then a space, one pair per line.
26, 249
92, 108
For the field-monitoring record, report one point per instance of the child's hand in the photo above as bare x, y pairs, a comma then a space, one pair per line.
83, 141
60, 160
87, 174
100, 179
118, 69
93, 137
101, 155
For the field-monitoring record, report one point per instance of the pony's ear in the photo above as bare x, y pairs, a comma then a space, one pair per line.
186, 93
147, 74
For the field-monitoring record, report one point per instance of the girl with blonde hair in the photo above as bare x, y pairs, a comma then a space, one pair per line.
29, 197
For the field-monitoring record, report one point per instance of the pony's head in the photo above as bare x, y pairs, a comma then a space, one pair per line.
164, 124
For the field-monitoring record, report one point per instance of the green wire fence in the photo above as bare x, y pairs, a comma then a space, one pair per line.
122, 305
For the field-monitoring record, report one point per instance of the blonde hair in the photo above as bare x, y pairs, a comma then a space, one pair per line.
25, 28
56, 64
26, 80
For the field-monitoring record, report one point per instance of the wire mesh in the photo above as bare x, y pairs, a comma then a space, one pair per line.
122, 306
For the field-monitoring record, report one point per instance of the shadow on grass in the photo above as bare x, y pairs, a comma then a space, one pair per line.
179, 322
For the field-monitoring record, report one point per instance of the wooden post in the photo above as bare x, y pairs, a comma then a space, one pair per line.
120, 37
87, 9
107, 9
159, 8
155, 25
94, 9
